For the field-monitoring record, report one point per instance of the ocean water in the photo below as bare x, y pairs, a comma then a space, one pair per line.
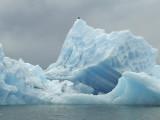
79, 112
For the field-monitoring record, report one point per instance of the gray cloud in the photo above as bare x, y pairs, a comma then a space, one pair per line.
36, 29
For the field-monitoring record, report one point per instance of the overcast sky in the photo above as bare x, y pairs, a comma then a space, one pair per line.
35, 30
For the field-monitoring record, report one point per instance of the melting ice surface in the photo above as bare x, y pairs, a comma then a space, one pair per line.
93, 68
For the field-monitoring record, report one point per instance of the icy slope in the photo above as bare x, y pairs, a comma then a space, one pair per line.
94, 58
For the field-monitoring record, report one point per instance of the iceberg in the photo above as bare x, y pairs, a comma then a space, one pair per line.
93, 68
96, 59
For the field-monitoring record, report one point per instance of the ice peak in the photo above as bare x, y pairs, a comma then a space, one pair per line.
79, 22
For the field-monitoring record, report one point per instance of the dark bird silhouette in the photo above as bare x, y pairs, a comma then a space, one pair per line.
78, 17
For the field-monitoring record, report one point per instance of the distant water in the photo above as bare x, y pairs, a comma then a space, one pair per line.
79, 112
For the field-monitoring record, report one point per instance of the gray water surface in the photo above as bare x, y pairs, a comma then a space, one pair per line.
79, 112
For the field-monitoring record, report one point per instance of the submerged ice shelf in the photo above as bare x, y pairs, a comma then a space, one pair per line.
93, 68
